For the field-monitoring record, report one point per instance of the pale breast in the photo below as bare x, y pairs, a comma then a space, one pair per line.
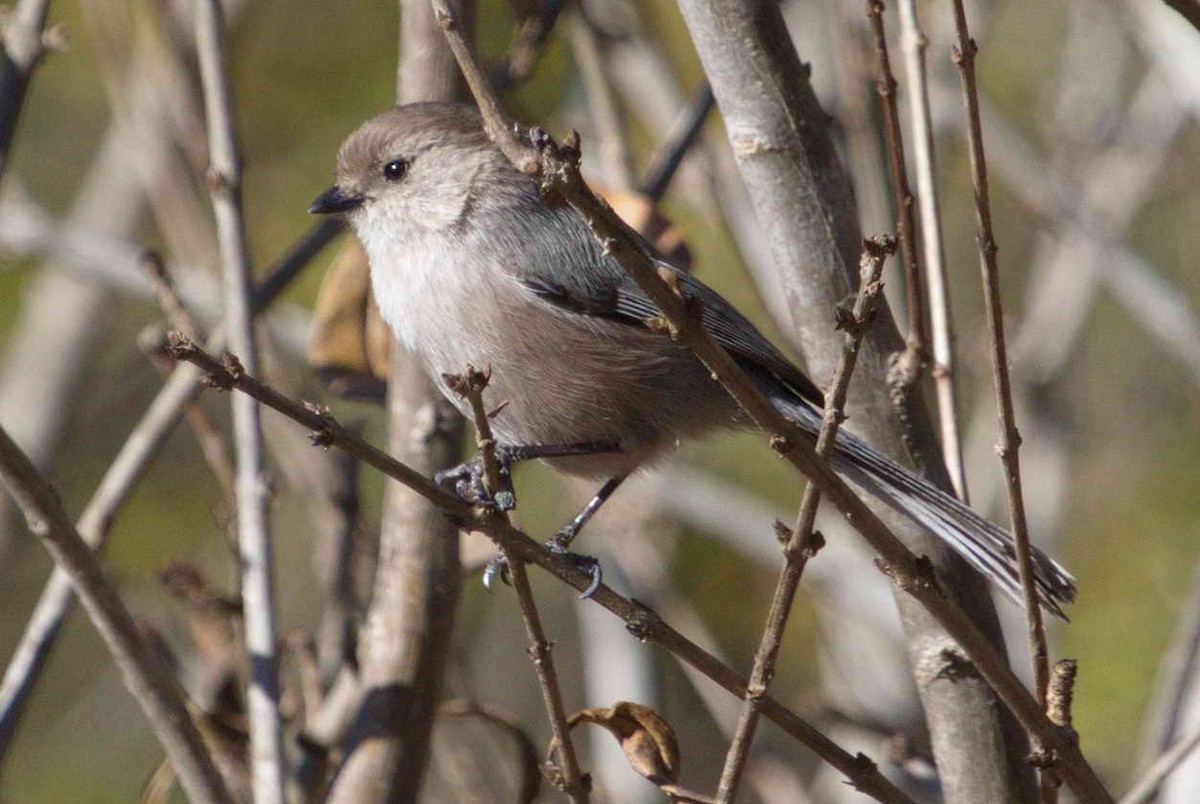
563, 377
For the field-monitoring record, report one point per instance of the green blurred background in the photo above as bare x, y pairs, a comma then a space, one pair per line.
305, 73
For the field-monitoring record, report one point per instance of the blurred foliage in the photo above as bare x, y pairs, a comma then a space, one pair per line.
304, 74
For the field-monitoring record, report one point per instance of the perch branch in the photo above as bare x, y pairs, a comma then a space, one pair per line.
641, 621
557, 167
803, 542
571, 779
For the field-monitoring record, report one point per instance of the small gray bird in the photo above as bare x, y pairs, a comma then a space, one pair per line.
471, 266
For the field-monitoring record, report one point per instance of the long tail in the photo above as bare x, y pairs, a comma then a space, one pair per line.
985, 546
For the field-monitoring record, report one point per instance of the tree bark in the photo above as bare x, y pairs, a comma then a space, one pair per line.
802, 197
411, 617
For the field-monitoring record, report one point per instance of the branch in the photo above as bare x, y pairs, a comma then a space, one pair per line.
642, 622
147, 679
557, 167
23, 49
914, 45
122, 475
803, 542
571, 779
1010, 439
408, 635
910, 363
254, 537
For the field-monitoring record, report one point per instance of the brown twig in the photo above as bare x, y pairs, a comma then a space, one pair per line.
122, 475
557, 168
642, 622
907, 367
803, 541
212, 445
1010, 439
914, 46
567, 777
254, 537
528, 42
681, 136
148, 680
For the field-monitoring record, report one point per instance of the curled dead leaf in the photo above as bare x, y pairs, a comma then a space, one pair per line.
646, 738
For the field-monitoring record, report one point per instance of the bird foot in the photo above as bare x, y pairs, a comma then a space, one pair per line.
467, 480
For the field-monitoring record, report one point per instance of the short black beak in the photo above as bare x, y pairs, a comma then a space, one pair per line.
335, 199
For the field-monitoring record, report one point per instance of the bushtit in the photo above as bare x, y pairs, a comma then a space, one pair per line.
470, 265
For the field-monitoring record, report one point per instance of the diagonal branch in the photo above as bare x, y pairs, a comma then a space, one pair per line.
641, 621
803, 542
557, 167
122, 475
148, 680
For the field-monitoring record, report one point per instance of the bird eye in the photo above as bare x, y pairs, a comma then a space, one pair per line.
395, 170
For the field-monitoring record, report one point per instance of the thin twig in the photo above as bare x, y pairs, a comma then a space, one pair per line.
641, 621
684, 132
605, 111
147, 679
254, 537
914, 45
23, 49
121, 477
1148, 785
557, 168
904, 375
528, 42
571, 780
1010, 440
173, 308
803, 542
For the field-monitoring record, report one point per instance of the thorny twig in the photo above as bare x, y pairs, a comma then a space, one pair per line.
641, 621
803, 542
557, 168
571, 781
1010, 439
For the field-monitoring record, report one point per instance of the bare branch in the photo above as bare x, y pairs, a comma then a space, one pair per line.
147, 679
914, 45
1010, 439
803, 542
254, 537
558, 169
572, 781
642, 622
119, 480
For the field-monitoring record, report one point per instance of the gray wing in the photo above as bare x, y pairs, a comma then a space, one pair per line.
623, 301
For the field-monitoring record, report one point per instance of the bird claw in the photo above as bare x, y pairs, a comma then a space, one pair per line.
468, 481
589, 564
496, 568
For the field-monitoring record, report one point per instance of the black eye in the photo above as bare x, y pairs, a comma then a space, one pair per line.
395, 170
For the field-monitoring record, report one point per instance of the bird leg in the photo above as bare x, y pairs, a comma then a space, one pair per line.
560, 542
468, 482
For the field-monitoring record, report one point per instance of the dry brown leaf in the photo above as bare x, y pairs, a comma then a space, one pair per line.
645, 736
